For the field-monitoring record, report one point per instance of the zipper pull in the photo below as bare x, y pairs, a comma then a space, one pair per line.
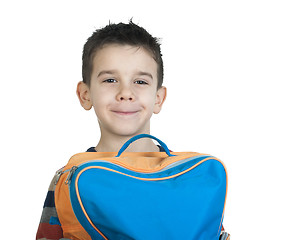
73, 169
58, 175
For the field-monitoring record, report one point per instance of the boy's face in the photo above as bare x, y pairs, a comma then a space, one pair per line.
123, 89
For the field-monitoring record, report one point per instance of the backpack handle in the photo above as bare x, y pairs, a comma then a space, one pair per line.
131, 140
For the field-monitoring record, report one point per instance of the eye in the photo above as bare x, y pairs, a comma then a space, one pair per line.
110, 80
141, 82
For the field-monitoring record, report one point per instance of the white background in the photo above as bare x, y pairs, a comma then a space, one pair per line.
223, 71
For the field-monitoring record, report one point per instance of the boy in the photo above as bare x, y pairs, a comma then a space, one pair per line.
122, 80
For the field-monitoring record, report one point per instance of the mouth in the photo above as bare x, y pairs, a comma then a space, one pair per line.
125, 113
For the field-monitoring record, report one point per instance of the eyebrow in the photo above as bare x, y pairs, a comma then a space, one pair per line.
106, 72
139, 73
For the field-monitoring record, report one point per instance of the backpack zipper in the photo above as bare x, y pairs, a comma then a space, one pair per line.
72, 171
58, 175
74, 168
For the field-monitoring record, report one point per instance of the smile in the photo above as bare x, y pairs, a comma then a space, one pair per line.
125, 113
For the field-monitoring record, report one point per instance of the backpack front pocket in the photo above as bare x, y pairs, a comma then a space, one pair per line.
182, 201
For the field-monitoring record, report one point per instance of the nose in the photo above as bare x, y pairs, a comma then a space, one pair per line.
125, 94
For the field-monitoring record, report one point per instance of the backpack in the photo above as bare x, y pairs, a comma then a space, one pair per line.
142, 195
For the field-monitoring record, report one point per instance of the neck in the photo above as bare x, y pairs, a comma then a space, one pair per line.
112, 143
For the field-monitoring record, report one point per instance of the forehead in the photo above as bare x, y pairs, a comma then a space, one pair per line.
124, 58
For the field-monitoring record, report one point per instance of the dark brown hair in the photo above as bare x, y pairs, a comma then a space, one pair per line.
123, 34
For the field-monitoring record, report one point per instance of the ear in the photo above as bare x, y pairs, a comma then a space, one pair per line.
160, 98
83, 93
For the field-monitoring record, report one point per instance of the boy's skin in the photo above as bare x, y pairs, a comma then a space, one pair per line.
123, 92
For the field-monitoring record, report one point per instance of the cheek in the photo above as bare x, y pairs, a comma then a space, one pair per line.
101, 97
98, 104
149, 100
